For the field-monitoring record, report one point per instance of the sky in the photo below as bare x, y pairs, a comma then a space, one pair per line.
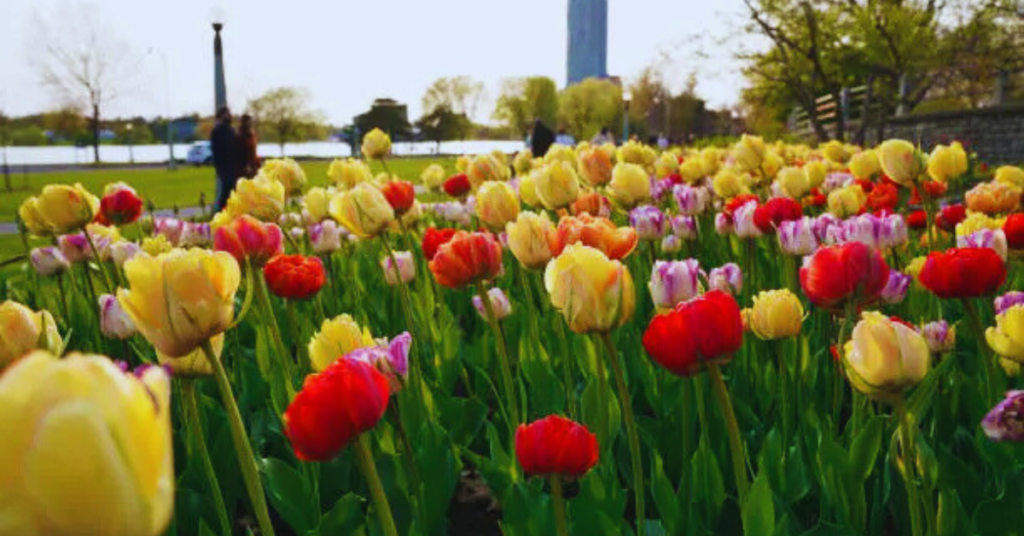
346, 52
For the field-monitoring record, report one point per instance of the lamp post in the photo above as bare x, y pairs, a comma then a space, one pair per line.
131, 152
220, 92
625, 115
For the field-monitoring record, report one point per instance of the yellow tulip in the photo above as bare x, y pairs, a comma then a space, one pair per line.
315, 203
349, 172
595, 165
195, 363
528, 188
462, 163
484, 168
523, 162
557, 185
901, 161
728, 184
835, 151
560, 153
528, 239
668, 164
260, 197
710, 160
884, 358
337, 337
179, 299
771, 165
1012, 175
285, 171
594, 293
630, 185
376, 144
33, 219
633, 152
155, 245
59, 208
496, 204
363, 210
792, 182
433, 177
978, 221
23, 330
816, 172
1007, 337
945, 164
864, 165
846, 201
776, 314
500, 156
993, 197
691, 170
86, 450
749, 152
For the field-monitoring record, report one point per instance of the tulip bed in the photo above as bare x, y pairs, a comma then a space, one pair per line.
765, 339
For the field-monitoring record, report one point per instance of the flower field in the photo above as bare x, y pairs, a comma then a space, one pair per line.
764, 339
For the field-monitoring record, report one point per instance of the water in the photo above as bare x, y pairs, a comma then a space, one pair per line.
320, 149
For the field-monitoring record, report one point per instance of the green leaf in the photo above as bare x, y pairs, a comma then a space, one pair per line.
205, 530
344, 518
864, 450
290, 495
665, 496
707, 479
759, 509
952, 518
440, 473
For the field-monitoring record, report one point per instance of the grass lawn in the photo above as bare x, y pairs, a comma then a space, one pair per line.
181, 187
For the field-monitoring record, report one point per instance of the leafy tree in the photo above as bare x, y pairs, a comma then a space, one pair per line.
283, 115
444, 124
386, 114
523, 100
460, 94
65, 122
587, 107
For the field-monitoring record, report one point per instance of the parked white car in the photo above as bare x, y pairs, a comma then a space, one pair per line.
200, 154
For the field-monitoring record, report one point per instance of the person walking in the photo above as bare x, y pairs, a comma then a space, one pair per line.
248, 160
224, 145
541, 139
603, 137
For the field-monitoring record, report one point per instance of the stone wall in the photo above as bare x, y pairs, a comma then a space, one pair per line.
995, 133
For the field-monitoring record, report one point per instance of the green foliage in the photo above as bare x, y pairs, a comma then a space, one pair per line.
282, 115
387, 115
587, 107
524, 99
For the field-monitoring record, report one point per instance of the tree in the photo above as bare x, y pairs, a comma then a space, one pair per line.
587, 107
64, 123
81, 61
460, 94
283, 114
524, 99
444, 124
388, 115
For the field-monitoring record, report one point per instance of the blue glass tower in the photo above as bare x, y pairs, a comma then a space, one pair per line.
588, 40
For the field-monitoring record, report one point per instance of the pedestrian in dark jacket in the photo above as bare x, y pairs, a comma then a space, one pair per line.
541, 139
248, 160
224, 145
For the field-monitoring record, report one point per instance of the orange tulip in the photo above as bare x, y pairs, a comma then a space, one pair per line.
598, 233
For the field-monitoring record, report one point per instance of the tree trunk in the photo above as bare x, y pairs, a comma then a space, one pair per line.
837, 96
96, 132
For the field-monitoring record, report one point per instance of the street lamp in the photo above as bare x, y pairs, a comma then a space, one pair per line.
220, 92
625, 115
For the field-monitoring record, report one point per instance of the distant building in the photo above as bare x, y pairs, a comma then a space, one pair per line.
388, 115
588, 40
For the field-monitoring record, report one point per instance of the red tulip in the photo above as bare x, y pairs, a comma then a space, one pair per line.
555, 446
814, 199
865, 185
835, 275
248, 238
703, 330
935, 189
434, 238
119, 206
738, 202
400, 195
457, 185
917, 219
949, 216
884, 196
777, 210
963, 272
1014, 230
335, 406
293, 276
467, 258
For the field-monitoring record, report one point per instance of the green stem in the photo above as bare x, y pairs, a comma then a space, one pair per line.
410, 462
705, 433
559, 502
63, 300
983, 355
293, 324
739, 468
784, 389
99, 262
929, 214
246, 458
506, 370
639, 491
196, 431
406, 302
909, 478
380, 500
267, 311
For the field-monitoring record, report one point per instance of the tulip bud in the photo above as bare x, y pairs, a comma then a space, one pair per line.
196, 235
649, 222
893, 232
496, 204
23, 330
1007, 337
595, 166
749, 152
630, 185
59, 208
349, 172
673, 282
684, 227
947, 163
325, 237
1004, 302
776, 314
743, 221
940, 336
114, 322
723, 224
376, 144
901, 161
248, 238
555, 445
1005, 422
557, 185
690, 200
985, 238
593, 292
391, 358
864, 165
74, 247
155, 245
499, 304
822, 224
792, 182
847, 201
432, 177
364, 210
260, 197
49, 261
484, 168
671, 244
885, 357
528, 239
1012, 175
834, 151
285, 171
836, 181
728, 184
406, 268
796, 237
337, 337
895, 288
315, 203
727, 278
171, 228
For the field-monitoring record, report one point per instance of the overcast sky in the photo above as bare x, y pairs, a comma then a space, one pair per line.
348, 52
